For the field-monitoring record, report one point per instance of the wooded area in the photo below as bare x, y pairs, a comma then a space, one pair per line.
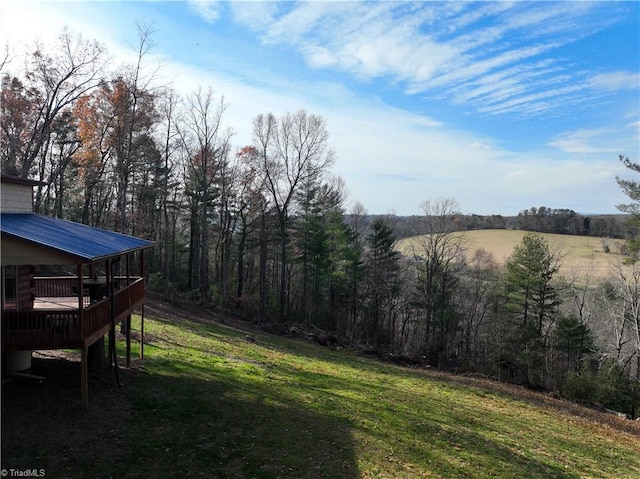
263, 231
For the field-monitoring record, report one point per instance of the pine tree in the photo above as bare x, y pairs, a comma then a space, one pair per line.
531, 306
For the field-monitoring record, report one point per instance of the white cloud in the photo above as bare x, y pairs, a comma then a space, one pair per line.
208, 10
254, 15
319, 57
635, 127
583, 142
615, 81
476, 145
517, 174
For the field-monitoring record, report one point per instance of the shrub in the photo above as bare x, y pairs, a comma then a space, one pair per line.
607, 385
581, 385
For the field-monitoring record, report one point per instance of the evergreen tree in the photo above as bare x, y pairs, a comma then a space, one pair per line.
531, 306
631, 188
382, 285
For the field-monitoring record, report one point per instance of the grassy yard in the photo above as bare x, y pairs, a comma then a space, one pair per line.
581, 255
209, 402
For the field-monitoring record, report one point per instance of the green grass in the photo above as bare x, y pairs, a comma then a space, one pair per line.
208, 403
582, 256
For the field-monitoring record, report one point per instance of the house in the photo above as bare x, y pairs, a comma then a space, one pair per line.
64, 285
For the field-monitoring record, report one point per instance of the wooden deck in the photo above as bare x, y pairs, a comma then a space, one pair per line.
57, 304
61, 322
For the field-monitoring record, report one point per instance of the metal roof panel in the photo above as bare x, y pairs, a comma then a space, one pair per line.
82, 241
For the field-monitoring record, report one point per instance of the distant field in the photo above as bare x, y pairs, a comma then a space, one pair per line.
582, 255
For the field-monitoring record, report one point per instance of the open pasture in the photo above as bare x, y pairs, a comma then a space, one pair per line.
582, 256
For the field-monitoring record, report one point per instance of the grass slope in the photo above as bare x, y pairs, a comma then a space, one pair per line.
206, 402
581, 255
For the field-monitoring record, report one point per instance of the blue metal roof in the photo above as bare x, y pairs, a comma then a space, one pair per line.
82, 241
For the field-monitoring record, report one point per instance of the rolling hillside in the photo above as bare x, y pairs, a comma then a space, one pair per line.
215, 401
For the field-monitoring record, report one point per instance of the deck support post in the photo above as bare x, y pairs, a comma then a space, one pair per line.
142, 331
128, 321
84, 377
142, 307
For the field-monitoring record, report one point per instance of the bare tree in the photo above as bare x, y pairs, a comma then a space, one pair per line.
169, 189
206, 146
473, 297
72, 69
439, 256
292, 149
621, 298
134, 108
5, 57
251, 209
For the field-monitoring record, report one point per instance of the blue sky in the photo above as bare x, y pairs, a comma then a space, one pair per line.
498, 105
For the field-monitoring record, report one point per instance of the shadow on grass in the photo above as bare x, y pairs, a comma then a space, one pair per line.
435, 439
44, 427
352, 393
226, 428
164, 426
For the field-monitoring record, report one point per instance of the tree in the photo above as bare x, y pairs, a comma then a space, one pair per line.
621, 298
573, 341
134, 116
206, 147
321, 250
92, 121
166, 191
531, 303
292, 150
631, 188
474, 298
18, 110
252, 211
55, 80
355, 268
382, 286
65, 138
439, 257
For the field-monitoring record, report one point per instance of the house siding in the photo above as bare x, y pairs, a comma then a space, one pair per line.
26, 288
16, 252
16, 198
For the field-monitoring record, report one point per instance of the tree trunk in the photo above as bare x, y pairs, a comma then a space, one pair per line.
263, 268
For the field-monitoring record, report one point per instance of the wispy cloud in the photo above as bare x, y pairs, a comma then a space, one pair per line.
583, 141
500, 58
209, 10
615, 81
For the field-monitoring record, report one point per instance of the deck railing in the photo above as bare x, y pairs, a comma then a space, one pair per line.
67, 328
55, 286
41, 329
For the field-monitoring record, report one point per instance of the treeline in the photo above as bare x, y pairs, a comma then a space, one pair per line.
262, 230
538, 219
566, 221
